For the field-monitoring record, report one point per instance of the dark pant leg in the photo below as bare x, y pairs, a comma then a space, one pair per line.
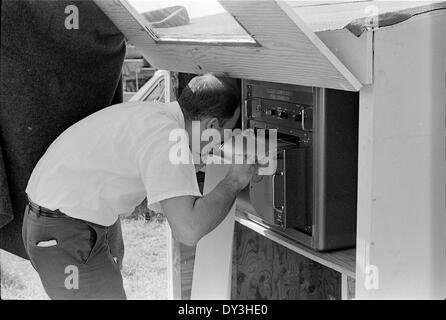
80, 265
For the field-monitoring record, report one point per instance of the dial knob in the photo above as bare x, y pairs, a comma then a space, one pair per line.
283, 114
298, 117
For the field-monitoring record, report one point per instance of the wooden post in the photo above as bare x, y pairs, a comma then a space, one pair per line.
173, 267
401, 193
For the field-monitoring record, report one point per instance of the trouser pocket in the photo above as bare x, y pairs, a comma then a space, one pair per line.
77, 240
95, 236
78, 265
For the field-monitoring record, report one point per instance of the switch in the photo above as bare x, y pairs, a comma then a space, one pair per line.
297, 117
283, 114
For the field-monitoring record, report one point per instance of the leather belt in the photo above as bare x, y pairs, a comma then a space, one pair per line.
42, 211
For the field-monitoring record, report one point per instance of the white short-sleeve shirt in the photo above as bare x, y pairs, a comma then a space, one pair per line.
107, 163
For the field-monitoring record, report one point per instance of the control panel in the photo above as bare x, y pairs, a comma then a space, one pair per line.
312, 196
282, 114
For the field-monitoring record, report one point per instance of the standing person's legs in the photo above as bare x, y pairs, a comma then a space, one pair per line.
72, 257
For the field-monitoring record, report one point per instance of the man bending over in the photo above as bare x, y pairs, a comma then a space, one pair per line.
104, 166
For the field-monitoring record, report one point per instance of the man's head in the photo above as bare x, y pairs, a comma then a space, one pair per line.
214, 101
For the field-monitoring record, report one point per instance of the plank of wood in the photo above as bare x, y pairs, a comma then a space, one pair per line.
337, 16
213, 258
221, 27
401, 189
317, 42
173, 268
289, 51
341, 261
344, 287
234, 271
356, 53
351, 288
176, 271
187, 270
180, 267
348, 287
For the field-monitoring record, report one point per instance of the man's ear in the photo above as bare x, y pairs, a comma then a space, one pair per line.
213, 123
231, 123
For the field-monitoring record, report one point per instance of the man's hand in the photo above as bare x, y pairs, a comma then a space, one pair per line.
241, 174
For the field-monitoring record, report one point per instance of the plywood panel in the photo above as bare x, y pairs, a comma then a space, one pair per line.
266, 270
289, 51
342, 261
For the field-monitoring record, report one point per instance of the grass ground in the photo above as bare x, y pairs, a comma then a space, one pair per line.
144, 266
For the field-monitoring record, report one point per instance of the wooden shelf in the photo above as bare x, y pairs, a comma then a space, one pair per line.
343, 261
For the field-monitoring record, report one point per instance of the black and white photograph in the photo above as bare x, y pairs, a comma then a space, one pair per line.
224, 154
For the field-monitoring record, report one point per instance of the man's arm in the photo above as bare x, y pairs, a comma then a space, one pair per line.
191, 218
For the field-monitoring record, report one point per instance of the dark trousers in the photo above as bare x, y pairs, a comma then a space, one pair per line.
74, 258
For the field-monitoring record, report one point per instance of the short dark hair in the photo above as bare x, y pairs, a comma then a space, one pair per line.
210, 96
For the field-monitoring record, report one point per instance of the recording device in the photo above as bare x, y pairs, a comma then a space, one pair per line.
312, 195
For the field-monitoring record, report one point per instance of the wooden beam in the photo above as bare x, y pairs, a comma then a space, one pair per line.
356, 53
344, 287
287, 53
317, 42
173, 267
347, 287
